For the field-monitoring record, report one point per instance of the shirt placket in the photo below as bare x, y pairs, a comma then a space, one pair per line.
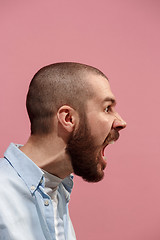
45, 209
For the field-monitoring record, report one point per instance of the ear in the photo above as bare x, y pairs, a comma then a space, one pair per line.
68, 117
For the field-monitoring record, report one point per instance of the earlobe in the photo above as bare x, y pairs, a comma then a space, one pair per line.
66, 116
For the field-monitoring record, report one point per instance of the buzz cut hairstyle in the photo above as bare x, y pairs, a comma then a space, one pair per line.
56, 85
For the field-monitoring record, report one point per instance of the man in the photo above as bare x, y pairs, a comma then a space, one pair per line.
73, 119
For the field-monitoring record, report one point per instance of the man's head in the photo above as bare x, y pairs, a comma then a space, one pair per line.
63, 89
56, 85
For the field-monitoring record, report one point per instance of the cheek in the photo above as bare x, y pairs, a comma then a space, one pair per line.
100, 128
104, 127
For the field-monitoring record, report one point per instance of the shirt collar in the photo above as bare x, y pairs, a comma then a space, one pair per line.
30, 173
51, 181
67, 185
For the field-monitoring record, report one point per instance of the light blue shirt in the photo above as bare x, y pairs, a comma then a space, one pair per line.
26, 210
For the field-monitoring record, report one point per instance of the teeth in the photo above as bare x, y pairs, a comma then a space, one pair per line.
112, 142
105, 158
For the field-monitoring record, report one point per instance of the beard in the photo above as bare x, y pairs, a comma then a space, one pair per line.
86, 156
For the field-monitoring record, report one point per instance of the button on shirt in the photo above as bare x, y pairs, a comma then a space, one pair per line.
52, 184
31, 209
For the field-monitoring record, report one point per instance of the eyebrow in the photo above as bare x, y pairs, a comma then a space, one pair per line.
109, 99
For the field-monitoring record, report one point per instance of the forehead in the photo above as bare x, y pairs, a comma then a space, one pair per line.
101, 87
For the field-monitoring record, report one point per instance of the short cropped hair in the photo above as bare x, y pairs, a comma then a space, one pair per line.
56, 85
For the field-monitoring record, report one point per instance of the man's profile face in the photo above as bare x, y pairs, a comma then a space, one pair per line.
96, 129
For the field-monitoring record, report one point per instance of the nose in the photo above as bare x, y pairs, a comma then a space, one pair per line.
118, 123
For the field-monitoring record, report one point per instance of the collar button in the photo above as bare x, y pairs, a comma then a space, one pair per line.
33, 188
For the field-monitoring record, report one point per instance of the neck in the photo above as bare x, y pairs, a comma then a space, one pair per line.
49, 154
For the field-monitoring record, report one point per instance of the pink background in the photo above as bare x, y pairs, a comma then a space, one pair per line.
122, 38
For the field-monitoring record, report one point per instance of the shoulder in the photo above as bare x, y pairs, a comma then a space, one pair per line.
3, 163
6, 170
15, 197
11, 183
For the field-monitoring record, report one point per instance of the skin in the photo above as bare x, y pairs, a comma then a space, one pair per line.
104, 121
101, 111
49, 152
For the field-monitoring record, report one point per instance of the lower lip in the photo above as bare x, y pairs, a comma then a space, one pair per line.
102, 152
103, 157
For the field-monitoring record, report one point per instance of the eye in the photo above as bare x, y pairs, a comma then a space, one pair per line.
107, 109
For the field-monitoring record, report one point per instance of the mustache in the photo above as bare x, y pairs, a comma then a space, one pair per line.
112, 136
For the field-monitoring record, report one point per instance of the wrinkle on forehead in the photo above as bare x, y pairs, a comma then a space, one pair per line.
101, 87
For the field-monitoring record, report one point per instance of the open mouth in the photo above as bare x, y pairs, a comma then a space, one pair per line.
111, 138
